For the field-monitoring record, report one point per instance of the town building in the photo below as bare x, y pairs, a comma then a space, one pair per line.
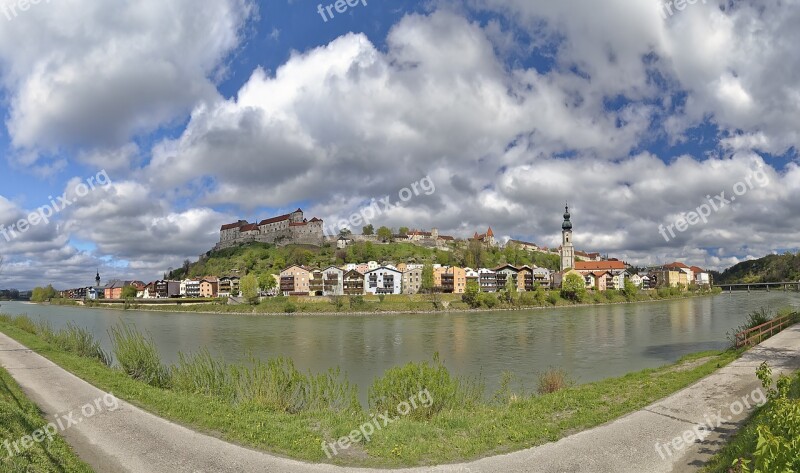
295, 281
209, 287
383, 281
454, 280
229, 286
412, 280
354, 283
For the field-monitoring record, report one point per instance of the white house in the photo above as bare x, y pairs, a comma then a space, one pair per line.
383, 280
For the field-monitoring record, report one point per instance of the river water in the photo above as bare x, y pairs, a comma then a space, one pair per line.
590, 343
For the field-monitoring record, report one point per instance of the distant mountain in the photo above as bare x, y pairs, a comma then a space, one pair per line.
772, 268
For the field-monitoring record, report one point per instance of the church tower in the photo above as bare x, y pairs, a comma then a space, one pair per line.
97, 279
567, 250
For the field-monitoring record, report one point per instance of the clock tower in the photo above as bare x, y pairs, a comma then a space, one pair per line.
567, 249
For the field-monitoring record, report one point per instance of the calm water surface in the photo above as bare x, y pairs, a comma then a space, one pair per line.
591, 343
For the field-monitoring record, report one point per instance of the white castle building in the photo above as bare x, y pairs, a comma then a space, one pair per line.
287, 229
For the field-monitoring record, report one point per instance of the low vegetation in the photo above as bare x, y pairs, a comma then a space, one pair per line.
770, 442
760, 317
19, 417
272, 406
771, 268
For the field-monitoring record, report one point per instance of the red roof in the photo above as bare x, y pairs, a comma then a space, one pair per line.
598, 265
676, 265
280, 218
695, 269
249, 227
490, 233
231, 226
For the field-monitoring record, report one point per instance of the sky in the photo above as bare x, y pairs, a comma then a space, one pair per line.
133, 129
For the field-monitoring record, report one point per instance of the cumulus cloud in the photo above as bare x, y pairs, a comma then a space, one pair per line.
94, 74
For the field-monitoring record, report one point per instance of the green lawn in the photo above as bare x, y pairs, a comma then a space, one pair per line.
19, 418
506, 423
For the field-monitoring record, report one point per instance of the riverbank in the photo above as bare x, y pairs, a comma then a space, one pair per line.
19, 420
401, 304
627, 444
508, 420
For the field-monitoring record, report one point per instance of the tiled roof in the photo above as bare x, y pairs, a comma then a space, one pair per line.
598, 265
277, 219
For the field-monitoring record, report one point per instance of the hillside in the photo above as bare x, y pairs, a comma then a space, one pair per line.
261, 259
771, 268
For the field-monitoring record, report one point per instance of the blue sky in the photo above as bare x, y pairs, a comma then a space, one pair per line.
241, 109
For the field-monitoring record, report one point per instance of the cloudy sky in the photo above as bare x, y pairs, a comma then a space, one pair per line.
201, 112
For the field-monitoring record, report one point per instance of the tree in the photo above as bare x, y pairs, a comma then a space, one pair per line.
42, 294
573, 287
368, 230
426, 285
478, 252
471, 293
345, 232
403, 231
266, 282
129, 292
510, 291
185, 267
249, 288
630, 290
384, 234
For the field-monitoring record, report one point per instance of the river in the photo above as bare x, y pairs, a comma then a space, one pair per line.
590, 343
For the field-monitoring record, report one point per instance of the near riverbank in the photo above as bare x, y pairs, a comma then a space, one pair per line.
147, 443
272, 407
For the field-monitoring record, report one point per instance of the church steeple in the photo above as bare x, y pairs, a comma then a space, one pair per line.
567, 249
97, 279
567, 225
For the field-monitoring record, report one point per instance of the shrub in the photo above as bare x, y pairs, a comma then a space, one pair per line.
24, 322
202, 374
138, 356
553, 380
488, 300
81, 342
553, 297
290, 308
399, 384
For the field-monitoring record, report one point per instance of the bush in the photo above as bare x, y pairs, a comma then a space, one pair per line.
488, 300
398, 385
290, 308
553, 298
777, 446
138, 356
553, 380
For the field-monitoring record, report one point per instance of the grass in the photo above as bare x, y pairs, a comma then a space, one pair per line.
463, 426
19, 417
744, 444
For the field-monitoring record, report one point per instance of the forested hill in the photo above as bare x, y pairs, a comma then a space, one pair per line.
772, 268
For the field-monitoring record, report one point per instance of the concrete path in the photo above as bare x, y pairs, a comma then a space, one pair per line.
132, 440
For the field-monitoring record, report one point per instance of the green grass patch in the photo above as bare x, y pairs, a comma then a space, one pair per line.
19, 417
465, 424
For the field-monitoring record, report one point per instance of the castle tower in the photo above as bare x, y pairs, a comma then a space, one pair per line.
567, 250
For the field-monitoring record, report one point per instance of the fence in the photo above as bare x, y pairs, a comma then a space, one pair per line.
755, 335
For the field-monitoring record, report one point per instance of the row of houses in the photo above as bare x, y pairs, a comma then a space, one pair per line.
208, 287
372, 278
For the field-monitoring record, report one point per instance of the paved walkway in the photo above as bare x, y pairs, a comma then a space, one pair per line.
132, 440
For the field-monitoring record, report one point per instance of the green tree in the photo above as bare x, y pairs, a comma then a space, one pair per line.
403, 231
478, 252
384, 234
266, 281
43, 294
573, 287
471, 293
630, 290
129, 292
368, 230
249, 288
510, 291
426, 285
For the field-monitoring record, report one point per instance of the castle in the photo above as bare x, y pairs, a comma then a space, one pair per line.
288, 229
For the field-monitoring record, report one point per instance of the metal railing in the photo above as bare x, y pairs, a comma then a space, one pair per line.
756, 334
